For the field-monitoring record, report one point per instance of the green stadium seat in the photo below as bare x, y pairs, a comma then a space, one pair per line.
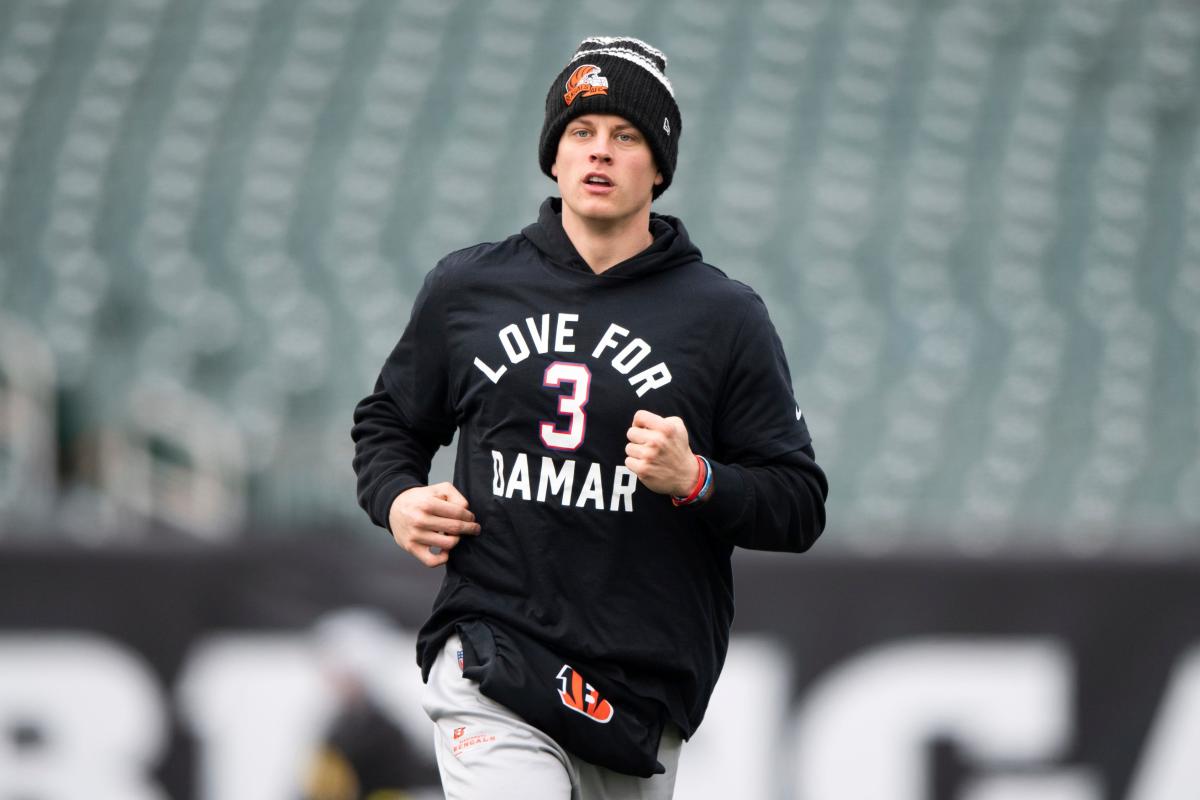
975, 223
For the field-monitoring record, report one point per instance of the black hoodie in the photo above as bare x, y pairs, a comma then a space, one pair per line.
540, 364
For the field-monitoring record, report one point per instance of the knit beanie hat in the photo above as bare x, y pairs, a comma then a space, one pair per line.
615, 75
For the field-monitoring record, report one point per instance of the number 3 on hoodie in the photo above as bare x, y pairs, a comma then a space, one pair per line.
569, 405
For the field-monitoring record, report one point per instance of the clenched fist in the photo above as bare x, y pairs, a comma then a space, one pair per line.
426, 517
659, 454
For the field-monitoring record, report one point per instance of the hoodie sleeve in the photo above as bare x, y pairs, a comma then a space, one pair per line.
398, 427
768, 492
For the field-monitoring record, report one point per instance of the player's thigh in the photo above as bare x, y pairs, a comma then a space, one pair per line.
597, 783
483, 749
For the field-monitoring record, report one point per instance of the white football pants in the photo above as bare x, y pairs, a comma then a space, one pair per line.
486, 752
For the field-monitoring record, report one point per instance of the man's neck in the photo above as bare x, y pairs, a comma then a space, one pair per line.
605, 244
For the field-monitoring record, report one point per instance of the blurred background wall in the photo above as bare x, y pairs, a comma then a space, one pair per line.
976, 224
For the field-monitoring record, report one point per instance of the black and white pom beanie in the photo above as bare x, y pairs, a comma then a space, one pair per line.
615, 75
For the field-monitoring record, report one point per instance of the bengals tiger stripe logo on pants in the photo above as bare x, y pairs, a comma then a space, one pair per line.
578, 695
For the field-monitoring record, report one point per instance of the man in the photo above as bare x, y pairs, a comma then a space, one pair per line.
625, 418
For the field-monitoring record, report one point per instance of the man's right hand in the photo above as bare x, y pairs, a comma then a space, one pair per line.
426, 517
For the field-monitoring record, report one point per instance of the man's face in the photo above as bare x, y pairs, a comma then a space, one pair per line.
604, 168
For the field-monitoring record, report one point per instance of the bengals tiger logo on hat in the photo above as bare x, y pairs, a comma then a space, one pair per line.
585, 80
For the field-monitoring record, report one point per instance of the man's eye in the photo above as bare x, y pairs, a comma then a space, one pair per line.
581, 133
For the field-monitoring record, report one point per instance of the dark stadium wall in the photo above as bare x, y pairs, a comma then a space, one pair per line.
193, 673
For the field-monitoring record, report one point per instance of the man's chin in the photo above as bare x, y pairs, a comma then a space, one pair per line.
602, 210
594, 209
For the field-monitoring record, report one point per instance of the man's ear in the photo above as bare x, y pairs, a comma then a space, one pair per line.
658, 179
554, 169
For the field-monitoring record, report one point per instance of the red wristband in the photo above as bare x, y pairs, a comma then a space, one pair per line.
695, 492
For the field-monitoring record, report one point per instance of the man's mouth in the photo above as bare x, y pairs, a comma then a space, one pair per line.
597, 180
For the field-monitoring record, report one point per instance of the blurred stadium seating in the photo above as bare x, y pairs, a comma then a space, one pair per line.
976, 225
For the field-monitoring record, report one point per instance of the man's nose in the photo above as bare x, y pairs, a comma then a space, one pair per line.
600, 154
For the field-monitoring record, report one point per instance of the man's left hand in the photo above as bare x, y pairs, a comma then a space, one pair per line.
659, 454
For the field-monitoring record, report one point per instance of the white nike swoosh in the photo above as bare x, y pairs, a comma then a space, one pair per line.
799, 413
